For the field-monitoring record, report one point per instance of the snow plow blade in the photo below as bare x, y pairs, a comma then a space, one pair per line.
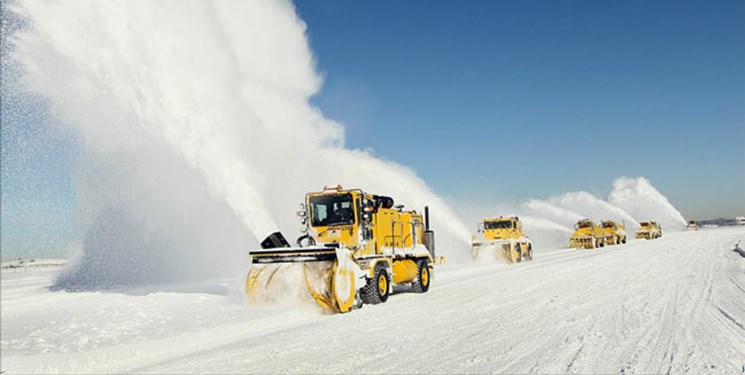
329, 273
504, 238
507, 251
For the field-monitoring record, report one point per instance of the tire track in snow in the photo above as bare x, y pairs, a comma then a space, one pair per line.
648, 306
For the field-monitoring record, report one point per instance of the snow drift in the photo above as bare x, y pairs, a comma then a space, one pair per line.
197, 133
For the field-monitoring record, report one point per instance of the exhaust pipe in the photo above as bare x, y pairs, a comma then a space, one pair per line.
429, 234
274, 240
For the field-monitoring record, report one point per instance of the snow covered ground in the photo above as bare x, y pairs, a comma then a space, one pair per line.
676, 304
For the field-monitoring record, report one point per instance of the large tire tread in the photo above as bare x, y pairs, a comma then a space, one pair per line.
417, 284
370, 293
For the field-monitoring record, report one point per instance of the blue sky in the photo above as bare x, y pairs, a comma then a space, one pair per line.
488, 101
506, 100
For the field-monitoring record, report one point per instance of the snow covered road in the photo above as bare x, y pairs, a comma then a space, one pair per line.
671, 305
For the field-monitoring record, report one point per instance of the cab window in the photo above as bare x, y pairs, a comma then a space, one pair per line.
498, 224
331, 210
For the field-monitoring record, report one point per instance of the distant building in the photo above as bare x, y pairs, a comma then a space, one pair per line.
720, 222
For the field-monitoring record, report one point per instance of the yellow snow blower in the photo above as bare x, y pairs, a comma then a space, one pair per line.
505, 236
649, 230
354, 249
614, 233
587, 235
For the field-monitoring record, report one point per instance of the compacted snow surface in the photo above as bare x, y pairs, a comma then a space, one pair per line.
671, 305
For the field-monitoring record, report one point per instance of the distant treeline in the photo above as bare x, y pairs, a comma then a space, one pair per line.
740, 220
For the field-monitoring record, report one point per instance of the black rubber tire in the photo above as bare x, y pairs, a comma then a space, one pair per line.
529, 254
359, 303
624, 240
371, 293
601, 243
417, 284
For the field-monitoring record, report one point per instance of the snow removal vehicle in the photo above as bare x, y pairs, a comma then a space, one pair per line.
614, 233
505, 236
354, 249
587, 235
649, 230
692, 225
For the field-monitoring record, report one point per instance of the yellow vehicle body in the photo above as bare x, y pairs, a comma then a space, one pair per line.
360, 245
587, 235
649, 230
614, 233
504, 235
692, 225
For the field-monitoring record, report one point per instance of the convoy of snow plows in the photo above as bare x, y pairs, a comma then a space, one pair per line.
357, 248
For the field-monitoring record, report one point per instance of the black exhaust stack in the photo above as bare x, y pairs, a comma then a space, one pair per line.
429, 234
274, 240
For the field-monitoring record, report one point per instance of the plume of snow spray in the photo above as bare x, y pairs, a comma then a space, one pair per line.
551, 212
639, 198
545, 233
549, 222
195, 123
590, 206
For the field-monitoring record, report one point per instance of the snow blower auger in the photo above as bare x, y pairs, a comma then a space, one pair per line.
354, 249
330, 274
504, 236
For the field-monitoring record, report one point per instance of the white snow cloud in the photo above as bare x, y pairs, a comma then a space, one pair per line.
198, 133
549, 222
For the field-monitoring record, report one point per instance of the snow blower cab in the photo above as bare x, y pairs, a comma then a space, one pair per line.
504, 237
354, 248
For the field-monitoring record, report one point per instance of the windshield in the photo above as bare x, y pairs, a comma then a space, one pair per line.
584, 224
331, 210
498, 224
608, 225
